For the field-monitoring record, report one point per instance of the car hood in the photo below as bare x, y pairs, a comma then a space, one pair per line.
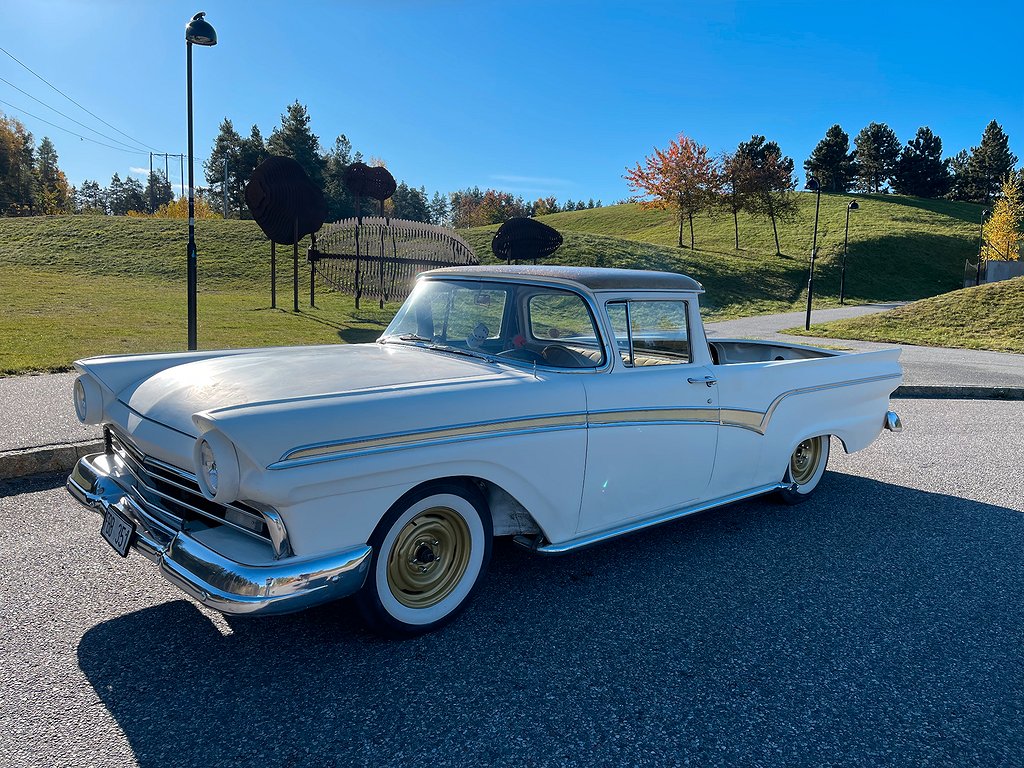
276, 376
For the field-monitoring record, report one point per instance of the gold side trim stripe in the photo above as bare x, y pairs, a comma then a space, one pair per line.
653, 415
430, 435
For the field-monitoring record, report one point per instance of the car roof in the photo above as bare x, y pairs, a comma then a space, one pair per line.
594, 278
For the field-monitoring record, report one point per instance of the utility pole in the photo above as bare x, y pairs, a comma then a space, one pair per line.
151, 188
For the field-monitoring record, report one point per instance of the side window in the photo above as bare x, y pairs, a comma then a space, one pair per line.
651, 332
562, 329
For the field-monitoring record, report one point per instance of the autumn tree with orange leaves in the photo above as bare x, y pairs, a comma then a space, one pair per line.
681, 177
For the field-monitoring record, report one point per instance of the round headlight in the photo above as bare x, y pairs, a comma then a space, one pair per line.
208, 465
216, 467
88, 400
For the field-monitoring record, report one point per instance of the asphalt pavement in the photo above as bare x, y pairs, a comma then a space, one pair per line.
880, 624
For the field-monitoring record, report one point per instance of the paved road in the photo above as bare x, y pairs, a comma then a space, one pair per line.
878, 624
37, 410
929, 366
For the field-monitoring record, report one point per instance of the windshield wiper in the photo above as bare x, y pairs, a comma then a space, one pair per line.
408, 337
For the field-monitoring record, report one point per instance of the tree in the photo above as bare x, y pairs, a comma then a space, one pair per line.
340, 202
1003, 228
878, 149
961, 184
158, 190
90, 199
125, 196
226, 155
920, 169
989, 165
17, 166
766, 176
410, 203
54, 190
251, 152
439, 209
831, 161
544, 206
293, 138
736, 184
681, 177
472, 208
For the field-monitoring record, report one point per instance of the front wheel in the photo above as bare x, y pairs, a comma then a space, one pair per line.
806, 466
429, 553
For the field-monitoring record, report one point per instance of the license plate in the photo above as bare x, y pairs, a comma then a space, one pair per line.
118, 531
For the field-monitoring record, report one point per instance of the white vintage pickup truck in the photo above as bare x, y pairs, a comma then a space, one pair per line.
561, 406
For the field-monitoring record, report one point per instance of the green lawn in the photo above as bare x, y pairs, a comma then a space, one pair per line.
73, 286
900, 248
984, 317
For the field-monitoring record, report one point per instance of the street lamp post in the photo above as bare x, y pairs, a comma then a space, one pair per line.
814, 186
846, 246
981, 246
198, 32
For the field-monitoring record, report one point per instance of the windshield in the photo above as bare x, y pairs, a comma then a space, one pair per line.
512, 322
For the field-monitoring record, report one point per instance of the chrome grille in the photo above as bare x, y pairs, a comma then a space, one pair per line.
173, 495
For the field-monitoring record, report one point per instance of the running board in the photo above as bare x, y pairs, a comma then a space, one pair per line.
665, 517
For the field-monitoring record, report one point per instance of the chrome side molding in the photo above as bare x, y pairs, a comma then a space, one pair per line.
893, 422
591, 539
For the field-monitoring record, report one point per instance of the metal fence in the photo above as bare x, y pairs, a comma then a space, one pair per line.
380, 258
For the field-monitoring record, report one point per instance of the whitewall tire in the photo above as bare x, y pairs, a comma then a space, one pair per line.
805, 469
430, 552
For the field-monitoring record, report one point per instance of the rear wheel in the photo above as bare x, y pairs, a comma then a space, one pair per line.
429, 553
805, 469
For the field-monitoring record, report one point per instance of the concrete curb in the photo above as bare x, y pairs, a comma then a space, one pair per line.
47, 458
61, 458
959, 393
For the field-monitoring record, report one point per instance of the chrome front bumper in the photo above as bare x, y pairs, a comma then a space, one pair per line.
286, 585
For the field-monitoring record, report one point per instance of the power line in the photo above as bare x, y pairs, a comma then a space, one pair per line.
68, 130
76, 122
58, 90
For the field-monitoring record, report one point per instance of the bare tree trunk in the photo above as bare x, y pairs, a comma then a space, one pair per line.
736, 223
775, 229
693, 247
680, 226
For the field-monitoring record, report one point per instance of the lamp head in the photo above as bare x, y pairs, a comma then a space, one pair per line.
853, 205
985, 213
812, 184
199, 31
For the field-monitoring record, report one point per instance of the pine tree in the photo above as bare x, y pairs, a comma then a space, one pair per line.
340, 202
961, 183
439, 209
293, 138
158, 190
89, 198
831, 161
878, 149
920, 170
251, 153
54, 190
991, 162
410, 203
227, 150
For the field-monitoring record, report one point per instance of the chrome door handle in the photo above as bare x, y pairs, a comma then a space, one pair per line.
709, 380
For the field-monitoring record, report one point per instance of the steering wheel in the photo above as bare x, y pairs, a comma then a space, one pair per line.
526, 355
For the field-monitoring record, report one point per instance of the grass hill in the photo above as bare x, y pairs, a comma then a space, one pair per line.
983, 317
900, 248
73, 286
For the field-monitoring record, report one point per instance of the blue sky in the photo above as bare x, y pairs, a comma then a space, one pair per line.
534, 98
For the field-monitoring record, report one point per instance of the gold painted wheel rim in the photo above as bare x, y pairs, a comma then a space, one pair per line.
804, 462
429, 558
